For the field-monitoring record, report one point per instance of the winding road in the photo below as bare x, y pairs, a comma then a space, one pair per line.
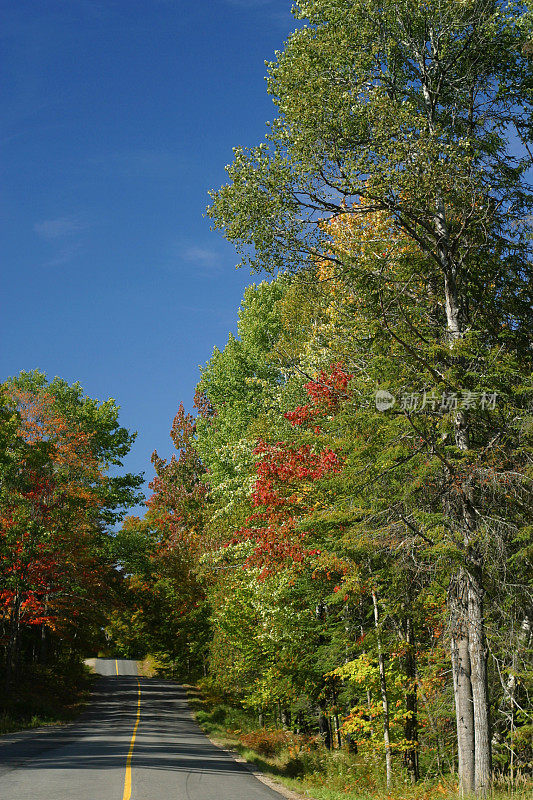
136, 741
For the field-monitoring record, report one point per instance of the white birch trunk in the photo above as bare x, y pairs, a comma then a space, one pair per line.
384, 696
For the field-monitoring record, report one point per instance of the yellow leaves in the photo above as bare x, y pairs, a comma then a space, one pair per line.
325, 271
361, 671
362, 233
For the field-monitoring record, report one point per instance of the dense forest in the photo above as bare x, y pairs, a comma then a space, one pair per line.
341, 542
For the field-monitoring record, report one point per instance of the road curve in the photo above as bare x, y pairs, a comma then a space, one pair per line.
143, 718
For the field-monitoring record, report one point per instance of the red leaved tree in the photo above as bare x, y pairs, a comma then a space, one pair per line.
48, 508
286, 473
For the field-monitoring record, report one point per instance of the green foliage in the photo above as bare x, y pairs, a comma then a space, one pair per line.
110, 442
391, 201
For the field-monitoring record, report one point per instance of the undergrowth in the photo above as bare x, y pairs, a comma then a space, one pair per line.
45, 695
301, 763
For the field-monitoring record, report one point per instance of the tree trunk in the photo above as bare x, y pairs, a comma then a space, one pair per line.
336, 720
324, 729
13, 641
478, 661
299, 723
462, 686
337, 724
509, 688
469, 664
411, 705
384, 696
43, 649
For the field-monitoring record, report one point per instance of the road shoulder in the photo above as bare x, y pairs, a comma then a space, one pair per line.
251, 767
19, 747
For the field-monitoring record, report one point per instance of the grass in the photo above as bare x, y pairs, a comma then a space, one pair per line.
50, 695
149, 667
306, 767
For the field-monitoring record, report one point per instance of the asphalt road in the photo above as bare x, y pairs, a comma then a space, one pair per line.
113, 666
137, 740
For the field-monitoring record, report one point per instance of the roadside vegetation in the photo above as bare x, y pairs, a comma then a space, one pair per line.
301, 764
341, 542
46, 695
339, 547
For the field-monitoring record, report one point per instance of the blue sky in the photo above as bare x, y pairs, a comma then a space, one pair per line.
118, 116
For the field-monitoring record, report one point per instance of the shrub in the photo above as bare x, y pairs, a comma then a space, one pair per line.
218, 715
266, 742
272, 742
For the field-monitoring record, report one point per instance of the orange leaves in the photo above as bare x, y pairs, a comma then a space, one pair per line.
47, 515
67, 447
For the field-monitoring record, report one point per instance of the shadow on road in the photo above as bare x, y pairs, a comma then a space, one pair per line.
168, 738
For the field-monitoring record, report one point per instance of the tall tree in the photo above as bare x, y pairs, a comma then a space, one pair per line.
418, 112
55, 501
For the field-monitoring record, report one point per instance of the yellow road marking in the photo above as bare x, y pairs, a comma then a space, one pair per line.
116, 665
127, 779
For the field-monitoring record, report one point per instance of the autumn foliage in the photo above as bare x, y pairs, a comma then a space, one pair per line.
285, 474
55, 563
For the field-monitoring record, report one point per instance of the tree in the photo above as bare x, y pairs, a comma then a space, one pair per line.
109, 441
158, 561
160, 608
239, 386
406, 110
55, 501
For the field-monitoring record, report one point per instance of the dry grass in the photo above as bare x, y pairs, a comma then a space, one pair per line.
148, 667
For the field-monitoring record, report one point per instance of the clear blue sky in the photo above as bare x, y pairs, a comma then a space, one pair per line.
118, 116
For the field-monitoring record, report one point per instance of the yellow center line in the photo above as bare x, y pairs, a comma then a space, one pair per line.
127, 779
116, 665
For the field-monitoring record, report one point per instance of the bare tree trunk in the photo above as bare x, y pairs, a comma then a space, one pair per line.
469, 660
509, 688
13, 641
368, 695
478, 661
286, 718
462, 686
411, 704
336, 721
43, 649
384, 696
324, 729
338, 730
299, 723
